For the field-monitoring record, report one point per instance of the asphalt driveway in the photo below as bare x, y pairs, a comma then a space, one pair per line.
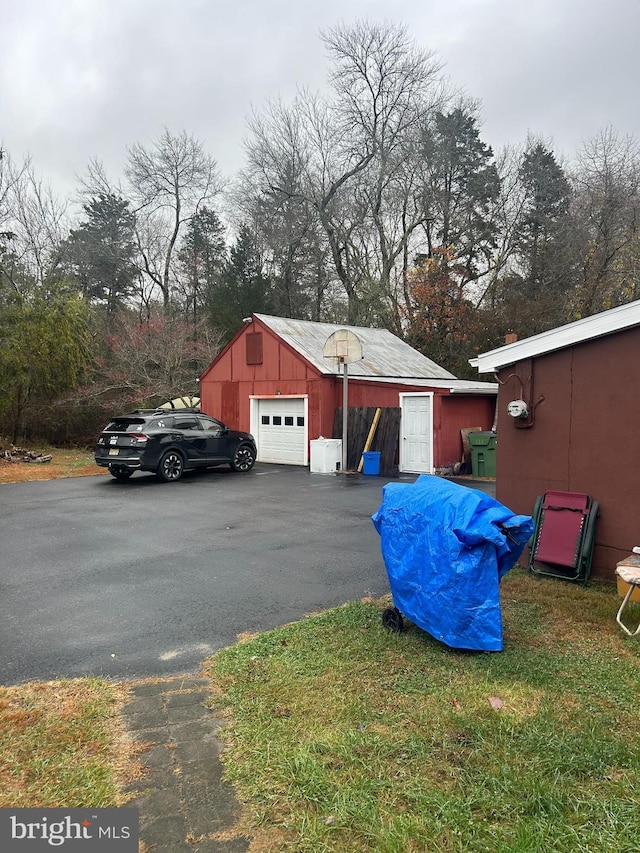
142, 579
137, 579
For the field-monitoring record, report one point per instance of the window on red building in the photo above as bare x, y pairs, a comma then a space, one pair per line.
254, 347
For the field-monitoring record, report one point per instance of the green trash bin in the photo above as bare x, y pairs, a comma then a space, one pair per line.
483, 453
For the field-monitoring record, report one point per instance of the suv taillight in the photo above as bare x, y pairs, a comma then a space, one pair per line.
138, 438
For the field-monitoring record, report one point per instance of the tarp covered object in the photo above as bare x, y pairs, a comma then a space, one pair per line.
445, 548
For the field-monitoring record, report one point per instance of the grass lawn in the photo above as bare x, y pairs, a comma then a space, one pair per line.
345, 737
62, 745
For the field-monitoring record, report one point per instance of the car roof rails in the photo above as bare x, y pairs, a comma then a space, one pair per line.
160, 410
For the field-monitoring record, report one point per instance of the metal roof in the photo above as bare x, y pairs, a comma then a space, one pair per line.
384, 354
606, 323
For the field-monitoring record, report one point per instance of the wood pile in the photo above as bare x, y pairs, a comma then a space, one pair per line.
19, 454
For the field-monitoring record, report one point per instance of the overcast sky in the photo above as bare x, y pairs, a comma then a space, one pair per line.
83, 79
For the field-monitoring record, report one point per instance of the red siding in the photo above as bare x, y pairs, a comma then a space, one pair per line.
229, 403
368, 393
458, 412
584, 437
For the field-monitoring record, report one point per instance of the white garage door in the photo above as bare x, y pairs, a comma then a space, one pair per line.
282, 432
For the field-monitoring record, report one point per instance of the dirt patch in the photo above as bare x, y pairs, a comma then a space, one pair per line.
72, 462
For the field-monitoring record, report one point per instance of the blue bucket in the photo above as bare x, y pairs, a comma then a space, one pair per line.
371, 463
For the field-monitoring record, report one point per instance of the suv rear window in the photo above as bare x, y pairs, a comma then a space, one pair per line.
125, 425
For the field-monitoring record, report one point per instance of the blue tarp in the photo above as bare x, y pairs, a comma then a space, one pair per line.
445, 548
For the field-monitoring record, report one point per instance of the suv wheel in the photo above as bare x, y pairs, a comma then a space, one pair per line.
121, 473
171, 467
243, 458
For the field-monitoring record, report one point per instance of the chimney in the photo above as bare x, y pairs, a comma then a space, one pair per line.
510, 338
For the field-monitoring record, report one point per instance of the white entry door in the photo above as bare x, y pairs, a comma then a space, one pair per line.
416, 433
281, 430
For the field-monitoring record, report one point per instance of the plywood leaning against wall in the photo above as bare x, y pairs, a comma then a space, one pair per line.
385, 438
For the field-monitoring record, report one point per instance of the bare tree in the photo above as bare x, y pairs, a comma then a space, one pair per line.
350, 157
33, 220
293, 245
9, 176
96, 182
507, 215
169, 182
607, 213
150, 362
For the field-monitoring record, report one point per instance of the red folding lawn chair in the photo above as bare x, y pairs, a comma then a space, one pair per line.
564, 534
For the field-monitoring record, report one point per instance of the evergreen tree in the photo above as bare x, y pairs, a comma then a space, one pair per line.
461, 188
243, 288
534, 296
548, 195
45, 350
202, 257
100, 254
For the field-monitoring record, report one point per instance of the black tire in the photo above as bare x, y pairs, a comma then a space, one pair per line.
171, 467
121, 473
244, 458
392, 620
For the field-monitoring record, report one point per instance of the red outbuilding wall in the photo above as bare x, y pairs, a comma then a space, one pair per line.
458, 412
584, 436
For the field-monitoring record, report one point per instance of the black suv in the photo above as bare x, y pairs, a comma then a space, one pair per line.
169, 442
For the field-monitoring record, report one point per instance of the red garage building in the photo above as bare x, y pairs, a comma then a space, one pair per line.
273, 380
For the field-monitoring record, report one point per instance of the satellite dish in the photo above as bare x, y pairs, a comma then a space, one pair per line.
343, 347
